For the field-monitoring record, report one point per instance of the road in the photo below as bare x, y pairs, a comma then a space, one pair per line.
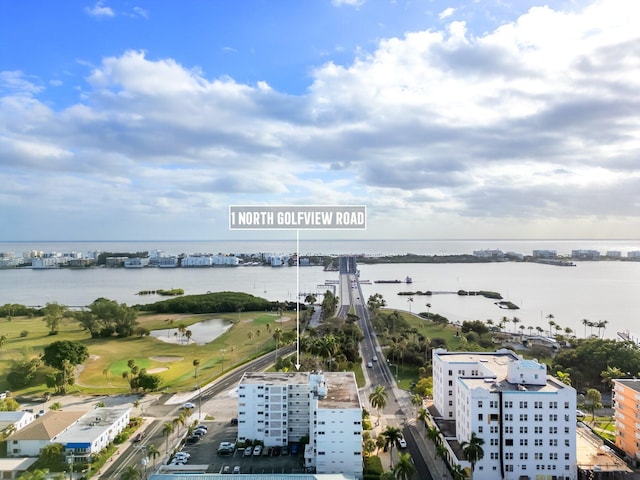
398, 406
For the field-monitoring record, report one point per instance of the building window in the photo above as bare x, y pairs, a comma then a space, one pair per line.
537, 404
524, 429
537, 442
523, 405
553, 442
480, 416
524, 456
479, 429
508, 404
524, 442
508, 456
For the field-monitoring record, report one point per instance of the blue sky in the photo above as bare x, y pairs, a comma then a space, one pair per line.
463, 119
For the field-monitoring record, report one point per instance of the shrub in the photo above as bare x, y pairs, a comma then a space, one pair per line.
24, 333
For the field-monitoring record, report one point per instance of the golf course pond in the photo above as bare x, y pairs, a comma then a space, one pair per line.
201, 333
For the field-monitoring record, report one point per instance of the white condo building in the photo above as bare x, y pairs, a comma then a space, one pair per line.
282, 408
526, 418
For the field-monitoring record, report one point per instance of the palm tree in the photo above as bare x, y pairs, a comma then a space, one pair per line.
585, 322
196, 364
410, 301
131, 473
515, 321
472, 450
610, 374
167, 430
3, 340
327, 347
564, 377
182, 328
153, 452
602, 324
378, 399
539, 330
250, 336
380, 441
170, 321
277, 334
551, 324
416, 401
404, 468
459, 473
433, 434
428, 305
422, 416
188, 333
530, 328
392, 435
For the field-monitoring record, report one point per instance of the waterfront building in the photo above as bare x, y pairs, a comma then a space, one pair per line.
279, 409
544, 254
585, 254
496, 254
614, 254
633, 254
136, 262
197, 261
526, 418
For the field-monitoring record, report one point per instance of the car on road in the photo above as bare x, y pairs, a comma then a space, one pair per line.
370, 365
402, 443
189, 406
139, 437
375, 359
257, 450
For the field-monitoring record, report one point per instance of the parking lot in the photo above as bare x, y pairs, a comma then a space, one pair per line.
204, 452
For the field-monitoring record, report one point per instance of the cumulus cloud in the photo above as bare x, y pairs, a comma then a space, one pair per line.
99, 9
446, 13
534, 124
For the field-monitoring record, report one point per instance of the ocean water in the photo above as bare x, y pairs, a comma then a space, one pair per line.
597, 291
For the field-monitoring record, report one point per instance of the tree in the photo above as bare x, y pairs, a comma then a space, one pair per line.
404, 468
52, 457
131, 473
564, 377
594, 401
378, 399
472, 450
57, 352
153, 452
277, 334
3, 340
392, 435
458, 472
375, 303
196, 365
38, 474
167, 430
423, 415
53, 315
610, 374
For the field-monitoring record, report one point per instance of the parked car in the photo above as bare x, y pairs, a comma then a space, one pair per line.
285, 450
236, 469
266, 451
248, 451
182, 455
192, 439
257, 450
234, 421
199, 433
294, 449
226, 469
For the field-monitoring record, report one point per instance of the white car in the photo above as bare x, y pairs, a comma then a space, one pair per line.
370, 365
402, 443
189, 406
182, 455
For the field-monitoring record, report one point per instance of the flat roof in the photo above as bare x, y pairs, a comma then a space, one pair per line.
632, 383
342, 388
91, 425
496, 362
592, 454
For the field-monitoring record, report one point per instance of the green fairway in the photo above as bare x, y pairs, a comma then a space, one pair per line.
250, 335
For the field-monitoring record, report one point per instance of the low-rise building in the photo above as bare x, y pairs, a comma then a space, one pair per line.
82, 433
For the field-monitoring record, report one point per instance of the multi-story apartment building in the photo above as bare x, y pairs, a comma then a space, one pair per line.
284, 408
626, 404
526, 418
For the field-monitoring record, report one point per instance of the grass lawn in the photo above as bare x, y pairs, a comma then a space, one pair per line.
102, 372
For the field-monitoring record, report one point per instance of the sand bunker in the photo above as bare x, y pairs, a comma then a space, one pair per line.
166, 359
158, 370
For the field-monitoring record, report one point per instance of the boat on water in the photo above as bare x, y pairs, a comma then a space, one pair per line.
407, 280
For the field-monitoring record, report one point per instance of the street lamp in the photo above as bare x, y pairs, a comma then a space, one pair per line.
70, 460
394, 365
144, 462
199, 404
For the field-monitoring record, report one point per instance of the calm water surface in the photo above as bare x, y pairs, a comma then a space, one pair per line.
592, 290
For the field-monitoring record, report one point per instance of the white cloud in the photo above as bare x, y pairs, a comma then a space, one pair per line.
446, 13
99, 10
350, 3
529, 128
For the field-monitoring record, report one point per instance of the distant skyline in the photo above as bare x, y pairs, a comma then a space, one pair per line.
477, 119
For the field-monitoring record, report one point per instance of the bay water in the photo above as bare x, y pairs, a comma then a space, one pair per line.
597, 291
